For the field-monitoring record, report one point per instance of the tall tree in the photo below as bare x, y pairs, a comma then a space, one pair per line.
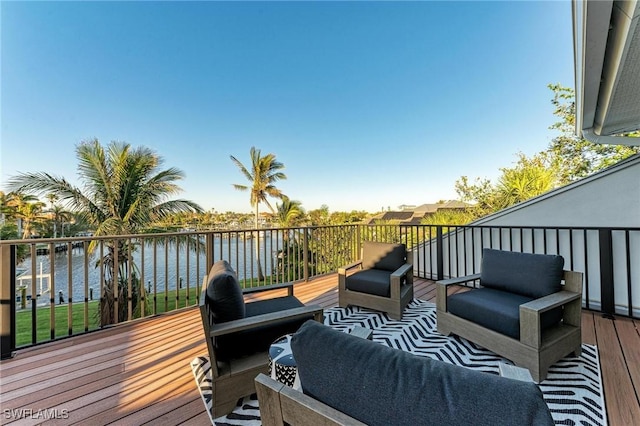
23, 209
31, 215
529, 178
59, 218
123, 191
319, 217
263, 173
289, 213
576, 157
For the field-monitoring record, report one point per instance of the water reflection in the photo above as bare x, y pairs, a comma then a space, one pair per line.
161, 266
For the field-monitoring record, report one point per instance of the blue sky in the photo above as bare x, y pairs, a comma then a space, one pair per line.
368, 104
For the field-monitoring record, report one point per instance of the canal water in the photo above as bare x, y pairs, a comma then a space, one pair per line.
170, 269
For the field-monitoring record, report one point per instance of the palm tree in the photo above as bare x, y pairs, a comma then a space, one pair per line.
123, 191
30, 214
289, 213
264, 172
530, 178
15, 205
59, 217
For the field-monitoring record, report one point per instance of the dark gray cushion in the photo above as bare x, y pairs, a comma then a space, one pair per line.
258, 339
379, 385
496, 310
224, 294
370, 281
385, 256
532, 275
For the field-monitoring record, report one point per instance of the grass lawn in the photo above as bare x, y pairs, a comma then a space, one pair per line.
43, 332
164, 302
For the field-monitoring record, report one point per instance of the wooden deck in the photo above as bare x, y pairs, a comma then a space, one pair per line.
139, 373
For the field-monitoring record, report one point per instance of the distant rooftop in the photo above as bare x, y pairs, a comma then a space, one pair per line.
412, 215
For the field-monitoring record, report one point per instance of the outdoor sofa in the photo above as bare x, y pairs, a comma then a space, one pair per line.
347, 380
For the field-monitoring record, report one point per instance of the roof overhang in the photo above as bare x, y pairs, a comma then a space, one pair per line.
606, 37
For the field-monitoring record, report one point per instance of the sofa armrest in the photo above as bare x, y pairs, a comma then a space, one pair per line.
551, 301
458, 280
442, 285
251, 290
344, 269
402, 271
268, 392
342, 275
396, 276
280, 404
530, 313
266, 319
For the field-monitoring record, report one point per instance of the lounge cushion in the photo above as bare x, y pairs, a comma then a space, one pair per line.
224, 294
496, 310
385, 256
370, 281
259, 339
379, 385
532, 275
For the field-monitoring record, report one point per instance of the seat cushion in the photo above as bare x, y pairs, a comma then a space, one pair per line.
532, 275
259, 339
224, 294
379, 385
496, 310
385, 256
370, 281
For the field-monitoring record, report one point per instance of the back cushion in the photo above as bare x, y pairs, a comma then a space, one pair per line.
224, 294
379, 385
385, 256
531, 275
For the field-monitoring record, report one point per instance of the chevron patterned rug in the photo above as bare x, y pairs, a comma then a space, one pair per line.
572, 390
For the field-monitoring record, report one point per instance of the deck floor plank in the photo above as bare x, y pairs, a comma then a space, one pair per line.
123, 396
588, 328
630, 343
621, 401
139, 373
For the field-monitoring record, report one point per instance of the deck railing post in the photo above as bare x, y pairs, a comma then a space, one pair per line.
305, 253
209, 251
7, 300
606, 273
439, 253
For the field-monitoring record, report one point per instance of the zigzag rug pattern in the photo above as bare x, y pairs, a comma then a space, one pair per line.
572, 389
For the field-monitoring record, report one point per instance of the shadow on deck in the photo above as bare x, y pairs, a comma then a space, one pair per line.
139, 373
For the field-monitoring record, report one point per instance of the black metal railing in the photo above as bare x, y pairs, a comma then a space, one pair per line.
63, 287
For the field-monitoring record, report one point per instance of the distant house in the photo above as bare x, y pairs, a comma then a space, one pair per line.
414, 215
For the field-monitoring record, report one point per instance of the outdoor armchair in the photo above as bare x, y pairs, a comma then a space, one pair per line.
238, 334
383, 281
522, 306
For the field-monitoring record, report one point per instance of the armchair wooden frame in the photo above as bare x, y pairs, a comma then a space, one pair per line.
282, 405
234, 379
537, 349
400, 294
